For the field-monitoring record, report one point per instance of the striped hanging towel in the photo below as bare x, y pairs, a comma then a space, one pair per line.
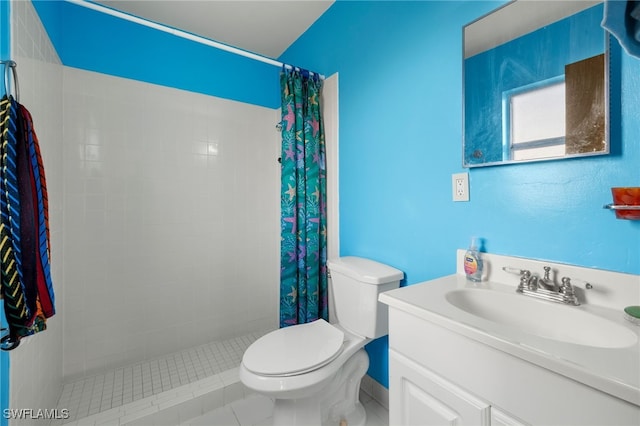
25, 284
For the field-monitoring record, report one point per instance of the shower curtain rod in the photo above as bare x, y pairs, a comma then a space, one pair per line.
184, 34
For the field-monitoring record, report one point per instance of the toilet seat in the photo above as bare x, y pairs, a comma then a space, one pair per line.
294, 350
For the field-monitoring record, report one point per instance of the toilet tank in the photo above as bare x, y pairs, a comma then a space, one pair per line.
356, 284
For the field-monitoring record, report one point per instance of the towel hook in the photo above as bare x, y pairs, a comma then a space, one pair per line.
11, 65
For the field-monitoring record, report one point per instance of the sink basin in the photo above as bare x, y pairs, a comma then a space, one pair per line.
544, 319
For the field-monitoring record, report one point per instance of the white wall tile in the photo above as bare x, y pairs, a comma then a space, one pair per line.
35, 372
168, 245
170, 228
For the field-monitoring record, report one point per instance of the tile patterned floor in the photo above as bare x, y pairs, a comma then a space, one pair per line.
194, 387
139, 383
256, 410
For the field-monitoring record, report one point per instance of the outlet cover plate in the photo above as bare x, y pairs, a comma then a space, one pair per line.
460, 186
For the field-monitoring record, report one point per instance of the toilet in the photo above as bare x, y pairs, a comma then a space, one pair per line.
313, 371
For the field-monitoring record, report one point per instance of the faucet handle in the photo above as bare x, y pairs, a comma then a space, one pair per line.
525, 277
528, 281
512, 270
569, 296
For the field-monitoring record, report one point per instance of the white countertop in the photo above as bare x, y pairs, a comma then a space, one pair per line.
615, 371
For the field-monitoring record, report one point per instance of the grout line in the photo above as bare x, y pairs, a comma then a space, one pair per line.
139, 387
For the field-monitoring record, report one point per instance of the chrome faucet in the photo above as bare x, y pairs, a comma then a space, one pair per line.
545, 288
546, 282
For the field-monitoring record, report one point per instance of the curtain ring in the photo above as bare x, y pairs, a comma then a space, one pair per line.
12, 65
15, 80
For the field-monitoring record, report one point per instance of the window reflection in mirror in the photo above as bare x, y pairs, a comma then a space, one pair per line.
535, 81
534, 121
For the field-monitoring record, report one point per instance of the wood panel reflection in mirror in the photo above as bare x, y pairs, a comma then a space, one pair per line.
535, 83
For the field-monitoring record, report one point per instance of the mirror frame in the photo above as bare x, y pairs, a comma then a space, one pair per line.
607, 88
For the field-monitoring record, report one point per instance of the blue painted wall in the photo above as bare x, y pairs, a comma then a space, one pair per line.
400, 140
5, 45
5, 54
99, 42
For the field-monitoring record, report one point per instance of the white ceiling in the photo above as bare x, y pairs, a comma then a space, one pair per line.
266, 27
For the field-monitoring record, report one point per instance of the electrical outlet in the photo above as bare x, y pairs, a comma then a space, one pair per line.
460, 185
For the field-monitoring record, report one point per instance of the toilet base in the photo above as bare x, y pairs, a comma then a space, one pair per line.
338, 401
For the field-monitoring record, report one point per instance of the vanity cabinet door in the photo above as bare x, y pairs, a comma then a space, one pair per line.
418, 396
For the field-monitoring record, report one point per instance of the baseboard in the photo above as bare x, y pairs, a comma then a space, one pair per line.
375, 390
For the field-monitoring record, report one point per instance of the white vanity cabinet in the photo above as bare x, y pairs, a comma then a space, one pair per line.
440, 377
421, 397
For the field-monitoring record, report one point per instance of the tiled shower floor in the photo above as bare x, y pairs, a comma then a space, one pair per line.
205, 374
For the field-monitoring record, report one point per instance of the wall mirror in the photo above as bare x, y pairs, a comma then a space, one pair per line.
536, 82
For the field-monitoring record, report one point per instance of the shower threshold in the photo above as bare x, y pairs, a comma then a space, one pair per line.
169, 389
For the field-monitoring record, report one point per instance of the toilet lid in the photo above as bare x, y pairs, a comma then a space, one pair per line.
294, 350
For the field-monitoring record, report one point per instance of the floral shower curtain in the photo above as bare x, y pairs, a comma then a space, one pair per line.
303, 250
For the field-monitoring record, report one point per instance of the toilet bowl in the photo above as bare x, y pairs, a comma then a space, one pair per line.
313, 371
301, 394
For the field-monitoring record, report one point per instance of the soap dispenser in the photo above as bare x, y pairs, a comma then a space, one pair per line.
473, 262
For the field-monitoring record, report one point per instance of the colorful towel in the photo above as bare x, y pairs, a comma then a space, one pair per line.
25, 283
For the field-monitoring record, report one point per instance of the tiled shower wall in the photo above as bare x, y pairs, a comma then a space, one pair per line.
171, 220
170, 226
35, 373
